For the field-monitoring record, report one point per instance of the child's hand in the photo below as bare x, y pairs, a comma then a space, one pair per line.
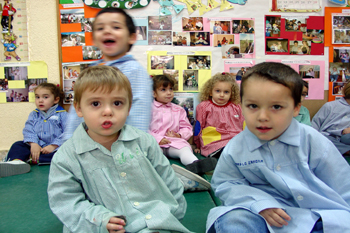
172, 134
35, 151
48, 149
275, 217
197, 150
346, 131
164, 141
115, 225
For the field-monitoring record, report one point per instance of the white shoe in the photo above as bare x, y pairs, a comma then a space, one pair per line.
14, 167
190, 180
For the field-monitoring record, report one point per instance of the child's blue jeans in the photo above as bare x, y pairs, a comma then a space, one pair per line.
21, 150
244, 221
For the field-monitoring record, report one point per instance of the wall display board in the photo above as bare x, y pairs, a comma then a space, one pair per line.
295, 5
18, 80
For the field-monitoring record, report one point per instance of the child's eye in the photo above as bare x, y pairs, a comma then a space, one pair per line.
116, 27
252, 106
162, 89
226, 92
217, 91
170, 88
117, 103
277, 107
95, 104
45, 97
99, 28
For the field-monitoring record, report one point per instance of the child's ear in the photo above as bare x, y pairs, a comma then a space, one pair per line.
78, 110
132, 38
154, 94
57, 99
296, 110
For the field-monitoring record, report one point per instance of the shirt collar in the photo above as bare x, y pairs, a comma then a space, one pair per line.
290, 137
111, 63
158, 104
50, 111
343, 101
84, 143
225, 105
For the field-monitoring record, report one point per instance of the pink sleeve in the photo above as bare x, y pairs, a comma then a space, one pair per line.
185, 128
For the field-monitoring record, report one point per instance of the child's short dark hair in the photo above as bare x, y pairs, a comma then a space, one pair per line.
346, 90
162, 80
306, 84
128, 20
277, 73
54, 89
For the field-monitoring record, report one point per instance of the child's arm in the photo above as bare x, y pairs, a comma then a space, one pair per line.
185, 127
68, 200
320, 117
200, 122
29, 134
275, 217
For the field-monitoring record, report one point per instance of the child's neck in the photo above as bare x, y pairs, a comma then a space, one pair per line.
218, 104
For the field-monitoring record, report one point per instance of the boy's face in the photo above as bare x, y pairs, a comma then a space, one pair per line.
111, 35
267, 113
104, 113
164, 94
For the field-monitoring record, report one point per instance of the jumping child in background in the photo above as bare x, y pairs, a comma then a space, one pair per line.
42, 132
110, 176
219, 115
304, 115
171, 128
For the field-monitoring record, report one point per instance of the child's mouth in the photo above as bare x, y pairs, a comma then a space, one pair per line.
263, 129
107, 124
108, 42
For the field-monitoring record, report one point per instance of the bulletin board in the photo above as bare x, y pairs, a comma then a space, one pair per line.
230, 37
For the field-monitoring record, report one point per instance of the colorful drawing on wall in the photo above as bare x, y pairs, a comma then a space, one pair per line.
294, 35
131, 4
14, 31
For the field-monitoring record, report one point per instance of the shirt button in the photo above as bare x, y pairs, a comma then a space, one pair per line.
123, 174
148, 217
136, 203
118, 156
300, 198
272, 143
278, 167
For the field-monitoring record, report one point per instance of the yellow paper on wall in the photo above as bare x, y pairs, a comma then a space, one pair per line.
16, 84
209, 135
37, 69
31, 97
2, 97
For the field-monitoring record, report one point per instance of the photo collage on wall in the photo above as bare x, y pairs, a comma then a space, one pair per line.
294, 35
189, 71
18, 82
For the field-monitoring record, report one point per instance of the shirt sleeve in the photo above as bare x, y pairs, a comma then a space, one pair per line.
185, 127
200, 121
63, 123
162, 166
29, 134
231, 187
140, 112
68, 200
320, 117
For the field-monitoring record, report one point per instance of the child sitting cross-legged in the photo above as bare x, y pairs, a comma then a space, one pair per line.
171, 127
42, 133
279, 175
110, 176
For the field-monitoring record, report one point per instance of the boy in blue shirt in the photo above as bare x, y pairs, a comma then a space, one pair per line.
114, 33
279, 175
109, 176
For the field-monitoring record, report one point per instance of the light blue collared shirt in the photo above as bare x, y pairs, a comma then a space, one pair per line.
141, 85
89, 184
46, 128
301, 172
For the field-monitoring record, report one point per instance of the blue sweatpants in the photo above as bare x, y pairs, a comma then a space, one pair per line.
20, 150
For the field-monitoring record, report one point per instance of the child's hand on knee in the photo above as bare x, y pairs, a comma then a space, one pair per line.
197, 150
48, 149
275, 217
35, 151
164, 141
116, 225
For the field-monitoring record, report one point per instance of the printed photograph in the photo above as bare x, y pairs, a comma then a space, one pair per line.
17, 95
198, 62
91, 53
162, 62
273, 26
141, 32
313, 35
309, 71
277, 46
192, 23
199, 39
295, 24
72, 16
220, 27
220, 40
159, 37
341, 21
339, 72
34, 82
16, 73
186, 101
341, 36
73, 39
160, 22
246, 43
341, 55
4, 85
190, 80
299, 47
181, 38
242, 26
86, 24
238, 71
68, 97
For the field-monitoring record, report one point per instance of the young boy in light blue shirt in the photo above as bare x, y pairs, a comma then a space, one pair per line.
279, 175
109, 176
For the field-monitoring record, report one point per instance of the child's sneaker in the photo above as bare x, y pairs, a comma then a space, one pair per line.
14, 167
191, 181
202, 166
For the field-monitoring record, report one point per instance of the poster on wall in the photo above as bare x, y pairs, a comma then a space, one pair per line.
14, 31
295, 5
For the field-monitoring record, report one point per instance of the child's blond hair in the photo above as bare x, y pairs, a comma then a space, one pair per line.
207, 88
104, 78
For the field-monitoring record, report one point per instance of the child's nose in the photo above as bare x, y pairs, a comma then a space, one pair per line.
107, 111
263, 115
